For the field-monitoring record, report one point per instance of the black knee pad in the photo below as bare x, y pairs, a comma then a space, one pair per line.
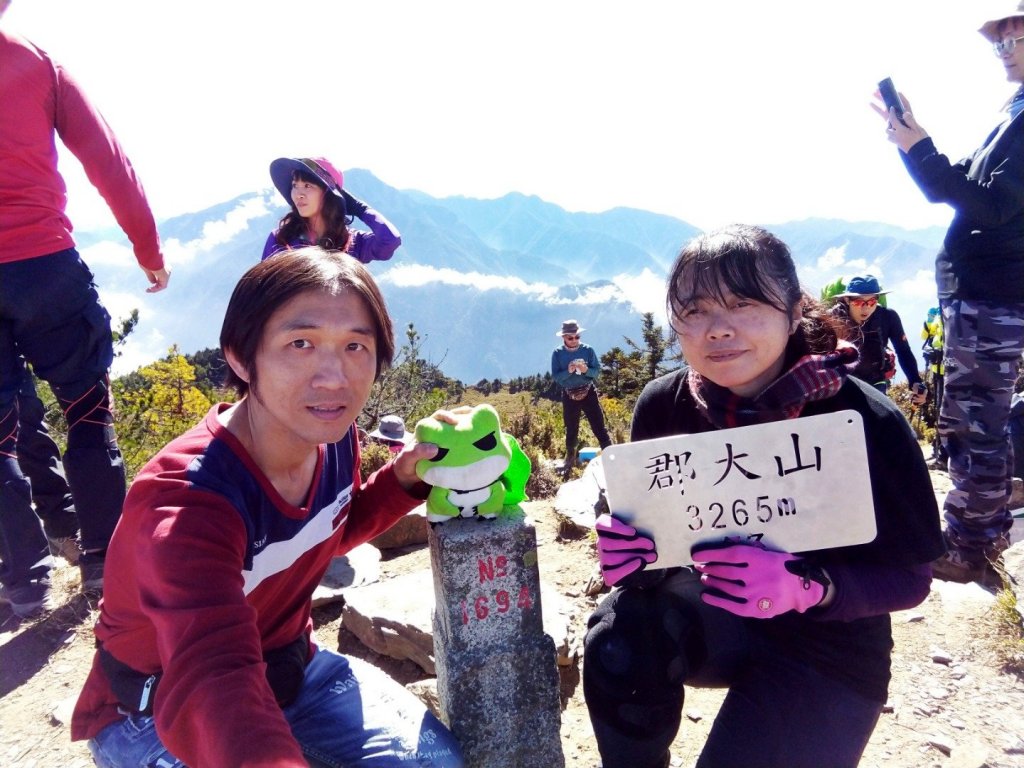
636, 660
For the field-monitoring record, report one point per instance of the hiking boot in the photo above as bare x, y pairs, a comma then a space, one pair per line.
961, 566
90, 564
66, 547
27, 600
953, 566
570, 463
995, 548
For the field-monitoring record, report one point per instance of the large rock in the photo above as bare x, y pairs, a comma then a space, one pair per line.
575, 500
1017, 495
409, 531
360, 566
426, 691
393, 617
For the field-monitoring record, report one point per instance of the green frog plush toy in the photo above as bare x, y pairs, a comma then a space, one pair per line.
478, 469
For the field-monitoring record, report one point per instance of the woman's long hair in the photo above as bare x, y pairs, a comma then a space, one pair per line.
332, 212
751, 263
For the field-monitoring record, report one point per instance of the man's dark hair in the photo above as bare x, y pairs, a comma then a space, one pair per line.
269, 285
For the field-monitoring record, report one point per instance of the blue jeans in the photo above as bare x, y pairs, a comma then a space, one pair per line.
347, 713
51, 315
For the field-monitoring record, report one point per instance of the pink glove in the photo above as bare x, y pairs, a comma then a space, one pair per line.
621, 550
758, 583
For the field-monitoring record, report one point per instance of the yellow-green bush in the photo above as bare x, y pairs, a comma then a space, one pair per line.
373, 457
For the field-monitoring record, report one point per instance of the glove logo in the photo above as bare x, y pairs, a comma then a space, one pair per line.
764, 604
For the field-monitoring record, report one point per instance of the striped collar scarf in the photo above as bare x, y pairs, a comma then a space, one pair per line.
812, 377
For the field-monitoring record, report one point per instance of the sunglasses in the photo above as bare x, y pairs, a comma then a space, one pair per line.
1005, 46
863, 302
569, 337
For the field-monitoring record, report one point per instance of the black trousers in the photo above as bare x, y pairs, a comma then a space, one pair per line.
590, 406
51, 315
39, 459
642, 645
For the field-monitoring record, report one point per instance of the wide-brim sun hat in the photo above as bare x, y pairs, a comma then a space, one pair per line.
570, 327
990, 29
283, 169
862, 285
392, 428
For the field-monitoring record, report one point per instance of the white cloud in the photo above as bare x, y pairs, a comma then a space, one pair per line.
920, 286
138, 351
120, 304
217, 232
145, 344
416, 275
645, 291
109, 253
832, 259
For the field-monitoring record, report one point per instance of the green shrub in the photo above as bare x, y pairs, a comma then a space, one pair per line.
544, 481
900, 394
374, 456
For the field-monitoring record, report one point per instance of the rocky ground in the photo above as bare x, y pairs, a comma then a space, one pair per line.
957, 698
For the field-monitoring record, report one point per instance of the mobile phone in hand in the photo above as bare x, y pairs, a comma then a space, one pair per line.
891, 98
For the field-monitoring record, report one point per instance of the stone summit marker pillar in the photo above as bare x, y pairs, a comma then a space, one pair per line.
497, 679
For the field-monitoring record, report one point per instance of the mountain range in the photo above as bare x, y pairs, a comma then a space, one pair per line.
486, 283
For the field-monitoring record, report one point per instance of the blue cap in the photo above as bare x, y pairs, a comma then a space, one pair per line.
862, 285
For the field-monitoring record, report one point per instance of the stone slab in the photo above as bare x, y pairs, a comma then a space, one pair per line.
360, 566
393, 618
576, 499
410, 530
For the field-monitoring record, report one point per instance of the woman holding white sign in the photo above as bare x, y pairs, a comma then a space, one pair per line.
802, 640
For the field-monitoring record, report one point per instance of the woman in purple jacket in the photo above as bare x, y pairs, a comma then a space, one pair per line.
320, 211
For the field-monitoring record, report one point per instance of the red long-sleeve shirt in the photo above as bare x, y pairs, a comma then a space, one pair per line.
38, 100
209, 568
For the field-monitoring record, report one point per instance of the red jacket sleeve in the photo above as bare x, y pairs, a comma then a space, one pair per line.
84, 131
377, 504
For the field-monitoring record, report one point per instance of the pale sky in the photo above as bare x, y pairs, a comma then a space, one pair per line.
712, 112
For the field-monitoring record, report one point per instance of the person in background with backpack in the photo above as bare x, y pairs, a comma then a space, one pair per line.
871, 328
574, 367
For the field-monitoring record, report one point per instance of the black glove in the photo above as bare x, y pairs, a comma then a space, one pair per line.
353, 206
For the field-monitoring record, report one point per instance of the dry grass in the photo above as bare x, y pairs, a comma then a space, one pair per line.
1009, 634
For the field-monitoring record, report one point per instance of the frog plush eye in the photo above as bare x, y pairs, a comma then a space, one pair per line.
441, 453
487, 442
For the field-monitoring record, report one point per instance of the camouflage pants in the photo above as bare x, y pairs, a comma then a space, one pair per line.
984, 342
